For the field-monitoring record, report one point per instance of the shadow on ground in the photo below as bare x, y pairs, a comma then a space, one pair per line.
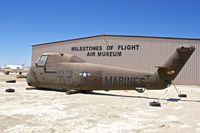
144, 97
123, 96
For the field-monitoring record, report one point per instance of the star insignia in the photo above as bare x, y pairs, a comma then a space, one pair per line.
84, 74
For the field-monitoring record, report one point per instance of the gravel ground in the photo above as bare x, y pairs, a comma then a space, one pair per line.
27, 111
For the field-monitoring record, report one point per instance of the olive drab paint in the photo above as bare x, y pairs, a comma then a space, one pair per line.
69, 72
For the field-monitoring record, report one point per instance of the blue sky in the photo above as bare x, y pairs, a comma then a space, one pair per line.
24, 23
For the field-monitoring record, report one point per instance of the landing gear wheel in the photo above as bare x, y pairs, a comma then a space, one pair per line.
140, 90
182, 95
69, 92
155, 104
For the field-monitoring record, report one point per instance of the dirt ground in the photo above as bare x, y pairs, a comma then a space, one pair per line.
27, 111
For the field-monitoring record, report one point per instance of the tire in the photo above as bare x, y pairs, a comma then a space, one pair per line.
6, 72
11, 81
29, 84
182, 95
10, 90
141, 90
70, 92
155, 104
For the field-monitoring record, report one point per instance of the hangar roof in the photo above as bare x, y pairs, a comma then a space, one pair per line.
197, 39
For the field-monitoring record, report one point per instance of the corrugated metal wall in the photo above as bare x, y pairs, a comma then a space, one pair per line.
152, 52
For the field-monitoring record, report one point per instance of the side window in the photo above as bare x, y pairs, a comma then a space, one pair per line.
42, 60
53, 63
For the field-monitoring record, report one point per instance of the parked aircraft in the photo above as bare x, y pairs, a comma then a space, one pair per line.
72, 74
12, 68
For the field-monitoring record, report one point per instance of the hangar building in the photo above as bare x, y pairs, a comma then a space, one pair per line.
134, 52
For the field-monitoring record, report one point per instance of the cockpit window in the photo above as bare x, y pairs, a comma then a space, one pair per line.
42, 60
76, 59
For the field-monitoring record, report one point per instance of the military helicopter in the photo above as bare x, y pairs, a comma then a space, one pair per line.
72, 74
